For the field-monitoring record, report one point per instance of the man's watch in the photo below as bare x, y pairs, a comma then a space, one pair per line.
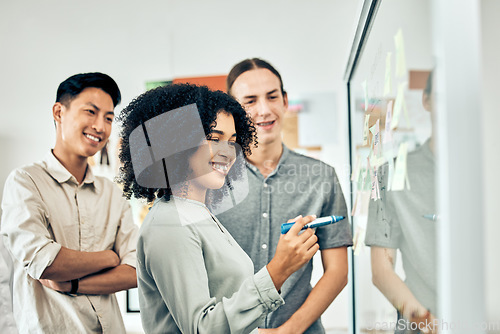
74, 286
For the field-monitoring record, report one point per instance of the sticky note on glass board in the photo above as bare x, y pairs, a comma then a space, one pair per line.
400, 170
375, 130
400, 54
355, 206
356, 209
365, 181
373, 180
361, 203
398, 105
375, 193
366, 130
359, 240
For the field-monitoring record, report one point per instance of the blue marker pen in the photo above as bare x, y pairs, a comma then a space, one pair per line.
315, 223
432, 217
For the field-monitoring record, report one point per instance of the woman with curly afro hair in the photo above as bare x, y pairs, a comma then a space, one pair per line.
180, 142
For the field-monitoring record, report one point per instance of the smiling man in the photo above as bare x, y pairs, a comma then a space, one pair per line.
70, 234
282, 184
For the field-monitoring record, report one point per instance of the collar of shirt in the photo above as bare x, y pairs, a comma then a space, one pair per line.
283, 158
56, 169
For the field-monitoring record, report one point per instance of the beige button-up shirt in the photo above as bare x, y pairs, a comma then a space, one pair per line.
45, 208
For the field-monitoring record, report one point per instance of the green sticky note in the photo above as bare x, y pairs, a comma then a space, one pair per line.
400, 54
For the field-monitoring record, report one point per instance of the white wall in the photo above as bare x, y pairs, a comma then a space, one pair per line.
491, 153
42, 43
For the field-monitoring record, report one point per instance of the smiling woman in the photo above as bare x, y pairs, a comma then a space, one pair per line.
179, 121
211, 163
178, 142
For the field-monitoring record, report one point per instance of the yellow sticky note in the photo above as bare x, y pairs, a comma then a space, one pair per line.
365, 130
400, 54
400, 175
398, 105
388, 80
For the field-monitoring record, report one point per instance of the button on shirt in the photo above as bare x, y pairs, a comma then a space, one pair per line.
298, 186
45, 208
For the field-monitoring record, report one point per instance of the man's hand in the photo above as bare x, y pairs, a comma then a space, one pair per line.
58, 286
422, 319
427, 323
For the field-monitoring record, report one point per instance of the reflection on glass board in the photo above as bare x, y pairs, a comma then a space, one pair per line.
392, 176
404, 219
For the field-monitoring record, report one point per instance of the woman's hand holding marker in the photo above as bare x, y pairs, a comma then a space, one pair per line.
293, 251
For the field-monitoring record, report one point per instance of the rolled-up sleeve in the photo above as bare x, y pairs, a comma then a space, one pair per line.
25, 224
182, 281
256, 297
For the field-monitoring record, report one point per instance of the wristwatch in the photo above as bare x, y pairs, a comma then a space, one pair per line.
74, 286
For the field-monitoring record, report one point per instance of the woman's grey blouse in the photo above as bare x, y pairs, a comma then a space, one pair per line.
194, 278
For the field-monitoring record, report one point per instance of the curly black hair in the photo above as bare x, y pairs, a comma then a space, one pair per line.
156, 102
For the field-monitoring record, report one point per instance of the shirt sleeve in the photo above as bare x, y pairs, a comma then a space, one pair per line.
7, 322
382, 228
25, 225
180, 275
338, 234
126, 236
